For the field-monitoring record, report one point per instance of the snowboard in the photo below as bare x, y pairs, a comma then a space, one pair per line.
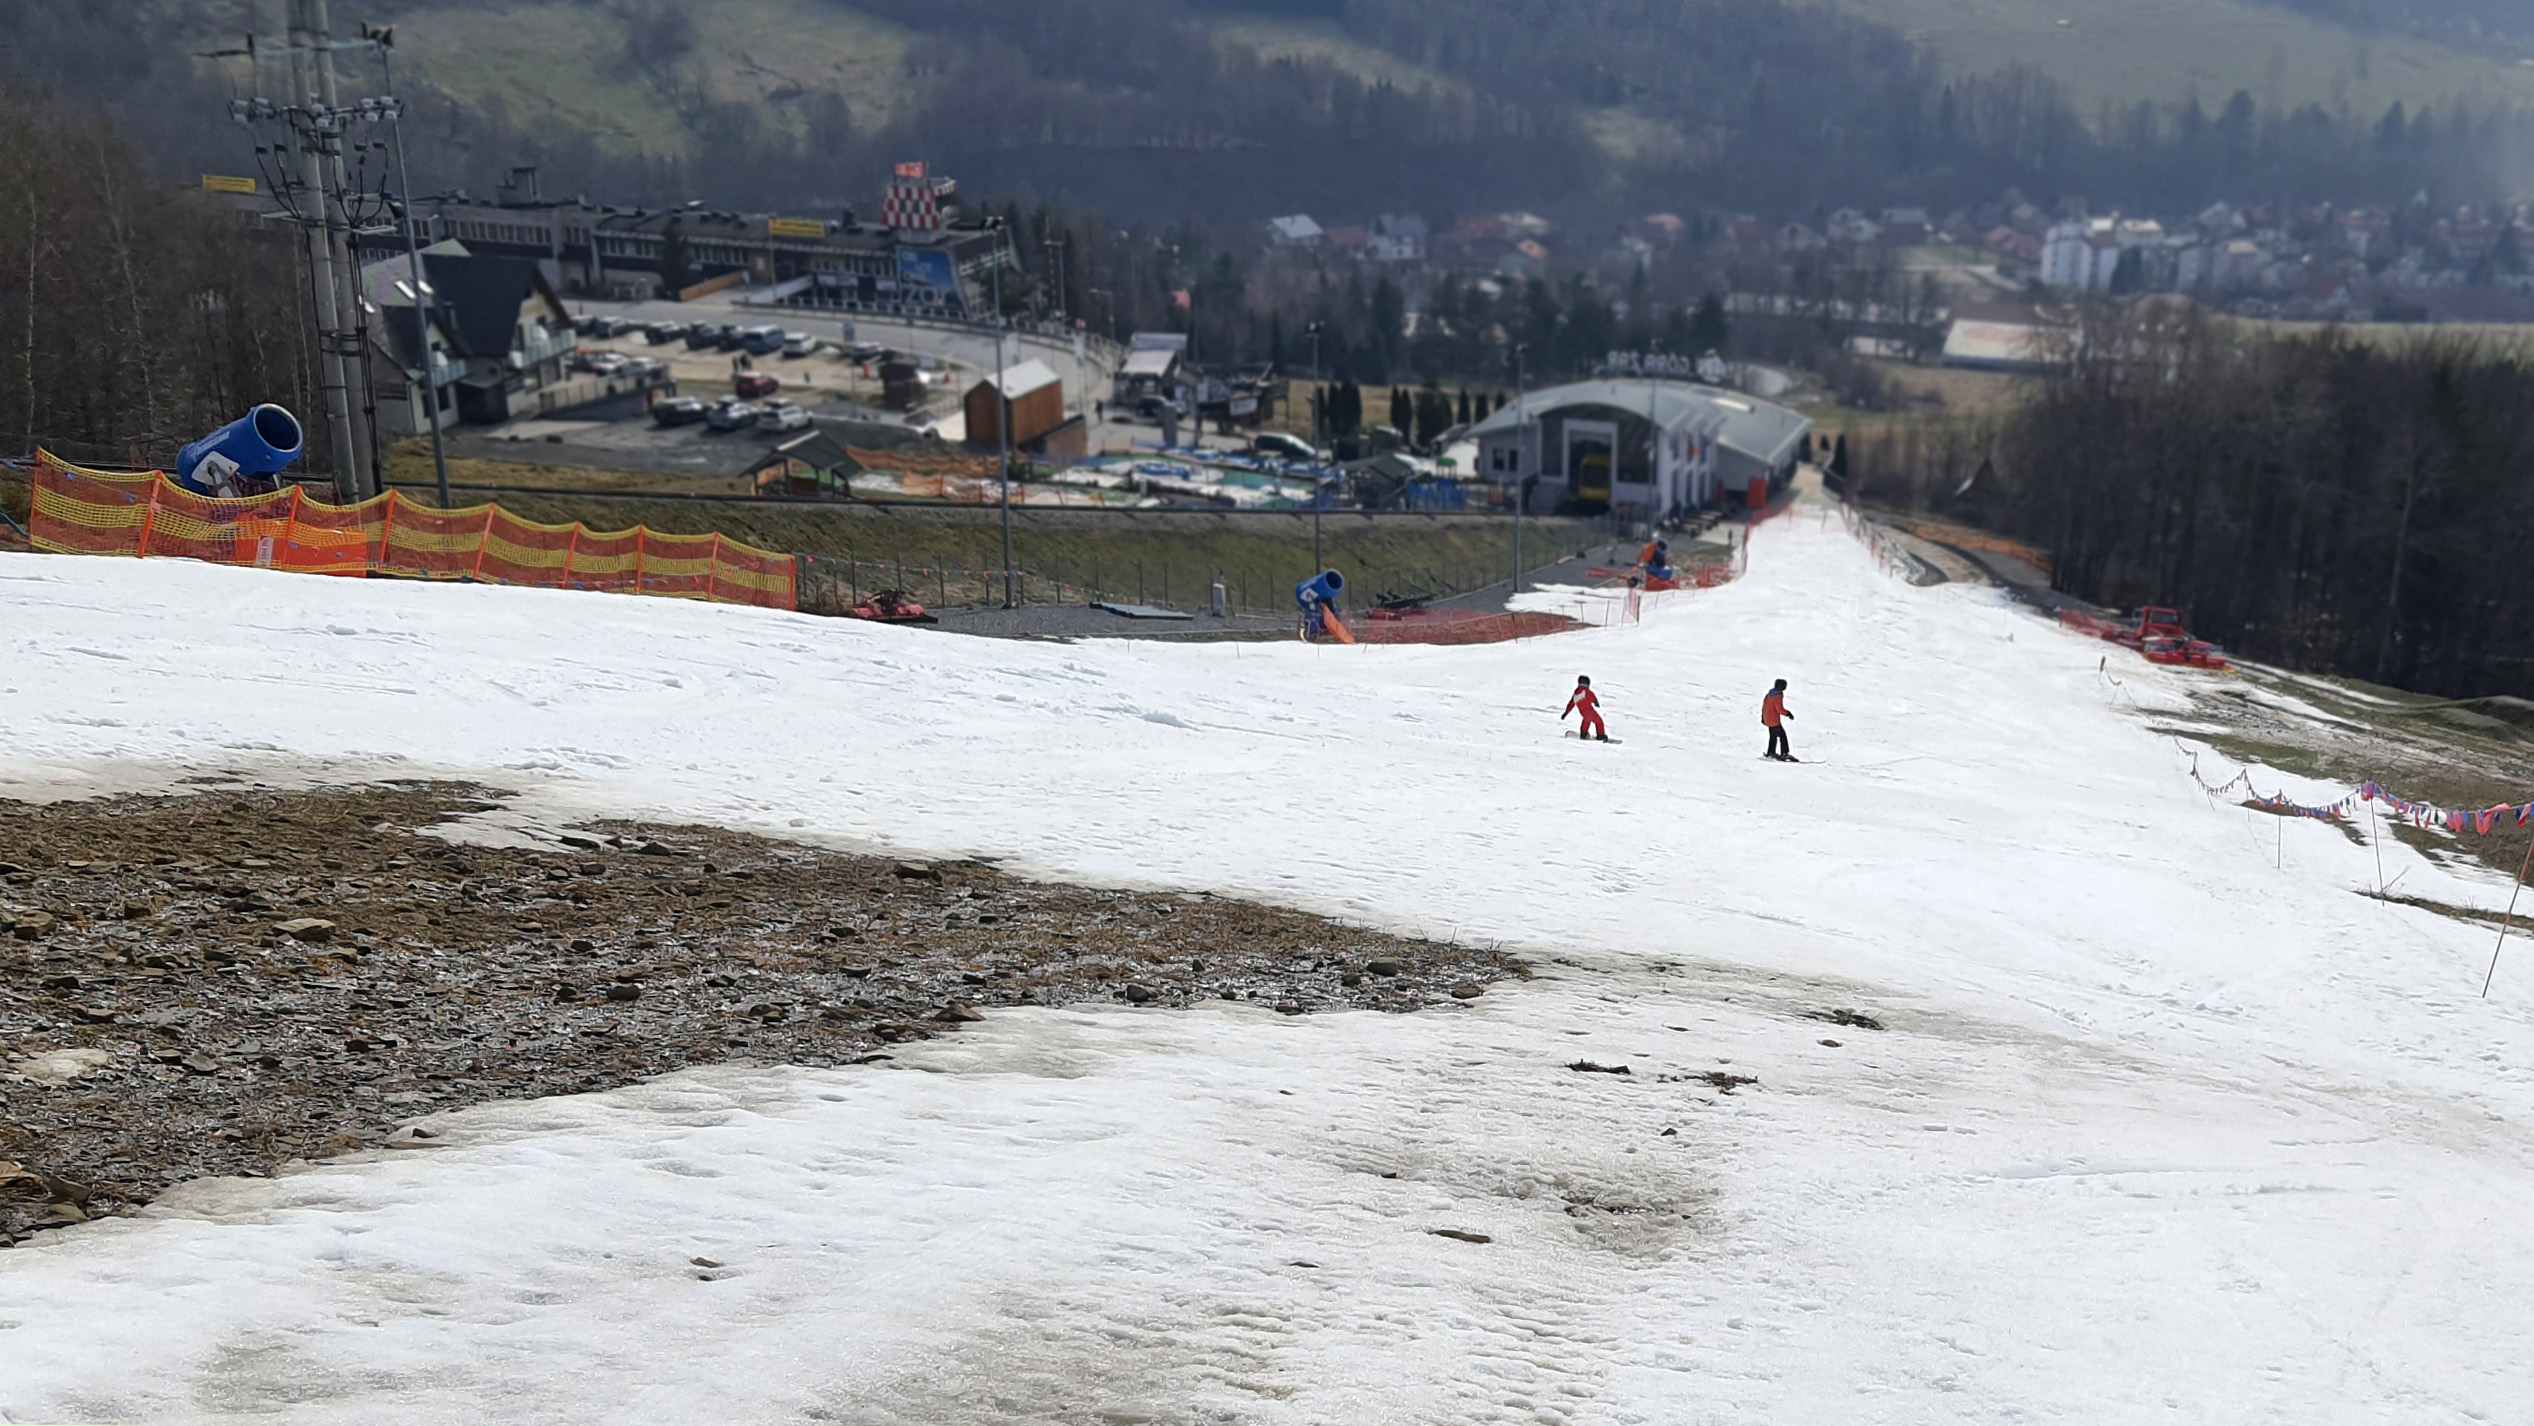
1614, 742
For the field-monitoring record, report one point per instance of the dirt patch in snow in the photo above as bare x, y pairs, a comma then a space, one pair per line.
223, 983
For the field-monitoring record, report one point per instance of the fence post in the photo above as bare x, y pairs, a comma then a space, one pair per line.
712, 572
483, 541
290, 522
642, 533
571, 547
149, 517
386, 527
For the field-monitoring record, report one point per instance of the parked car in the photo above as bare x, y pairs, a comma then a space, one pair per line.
868, 352
730, 336
761, 340
1278, 445
779, 415
799, 344
702, 335
749, 385
680, 411
660, 334
730, 414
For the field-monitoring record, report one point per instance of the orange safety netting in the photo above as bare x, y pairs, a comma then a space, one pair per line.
91, 512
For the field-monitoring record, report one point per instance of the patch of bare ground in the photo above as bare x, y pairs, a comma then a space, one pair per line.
223, 983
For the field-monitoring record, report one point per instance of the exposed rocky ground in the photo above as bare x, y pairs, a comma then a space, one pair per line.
222, 983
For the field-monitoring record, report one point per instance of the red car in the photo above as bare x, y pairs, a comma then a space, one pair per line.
752, 384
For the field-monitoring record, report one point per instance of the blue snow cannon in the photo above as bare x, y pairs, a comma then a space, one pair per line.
261, 443
1317, 596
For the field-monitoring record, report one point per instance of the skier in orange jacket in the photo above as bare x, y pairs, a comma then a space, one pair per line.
1585, 699
1773, 716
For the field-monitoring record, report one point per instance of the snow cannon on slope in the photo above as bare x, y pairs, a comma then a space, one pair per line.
254, 447
1318, 598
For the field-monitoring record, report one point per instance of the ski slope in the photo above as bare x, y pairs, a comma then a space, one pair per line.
2158, 1129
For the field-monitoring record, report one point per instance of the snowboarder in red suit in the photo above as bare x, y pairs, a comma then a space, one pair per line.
1591, 706
1773, 716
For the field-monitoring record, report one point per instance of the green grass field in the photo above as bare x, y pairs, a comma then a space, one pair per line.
2118, 52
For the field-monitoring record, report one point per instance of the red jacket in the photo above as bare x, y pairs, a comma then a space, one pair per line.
1773, 708
1583, 699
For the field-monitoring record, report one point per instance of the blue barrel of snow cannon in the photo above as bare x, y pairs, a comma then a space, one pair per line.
262, 442
1320, 590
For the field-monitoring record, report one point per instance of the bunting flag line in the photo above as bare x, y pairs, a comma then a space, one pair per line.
2480, 822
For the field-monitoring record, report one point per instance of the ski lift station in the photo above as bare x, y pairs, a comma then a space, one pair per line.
1641, 447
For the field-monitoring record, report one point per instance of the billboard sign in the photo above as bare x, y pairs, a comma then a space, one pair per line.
926, 275
223, 183
795, 228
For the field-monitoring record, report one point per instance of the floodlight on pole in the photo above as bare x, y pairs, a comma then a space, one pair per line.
1521, 445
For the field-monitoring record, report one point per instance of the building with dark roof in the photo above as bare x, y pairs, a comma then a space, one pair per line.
496, 330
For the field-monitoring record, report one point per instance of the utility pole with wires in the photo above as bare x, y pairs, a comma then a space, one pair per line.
419, 291
304, 167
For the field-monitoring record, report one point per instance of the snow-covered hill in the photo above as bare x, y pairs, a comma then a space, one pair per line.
2157, 1129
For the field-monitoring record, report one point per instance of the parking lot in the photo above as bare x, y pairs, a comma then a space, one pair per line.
834, 391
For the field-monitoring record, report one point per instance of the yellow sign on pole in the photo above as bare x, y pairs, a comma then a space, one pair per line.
795, 228
223, 183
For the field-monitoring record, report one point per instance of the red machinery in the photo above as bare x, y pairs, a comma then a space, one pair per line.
2158, 636
890, 607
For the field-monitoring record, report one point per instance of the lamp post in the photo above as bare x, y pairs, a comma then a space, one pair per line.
1002, 405
1521, 445
1319, 418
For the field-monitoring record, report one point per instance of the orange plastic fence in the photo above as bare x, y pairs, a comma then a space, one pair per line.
91, 512
1457, 627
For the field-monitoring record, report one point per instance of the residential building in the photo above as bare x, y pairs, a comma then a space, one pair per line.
1397, 238
496, 337
1847, 225
1296, 230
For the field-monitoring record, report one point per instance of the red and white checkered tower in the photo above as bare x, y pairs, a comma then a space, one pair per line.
915, 202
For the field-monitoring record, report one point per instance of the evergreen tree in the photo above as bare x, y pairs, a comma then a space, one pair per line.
1433, 414
1346, 409
1709, 331
1403, 415
1463, 413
